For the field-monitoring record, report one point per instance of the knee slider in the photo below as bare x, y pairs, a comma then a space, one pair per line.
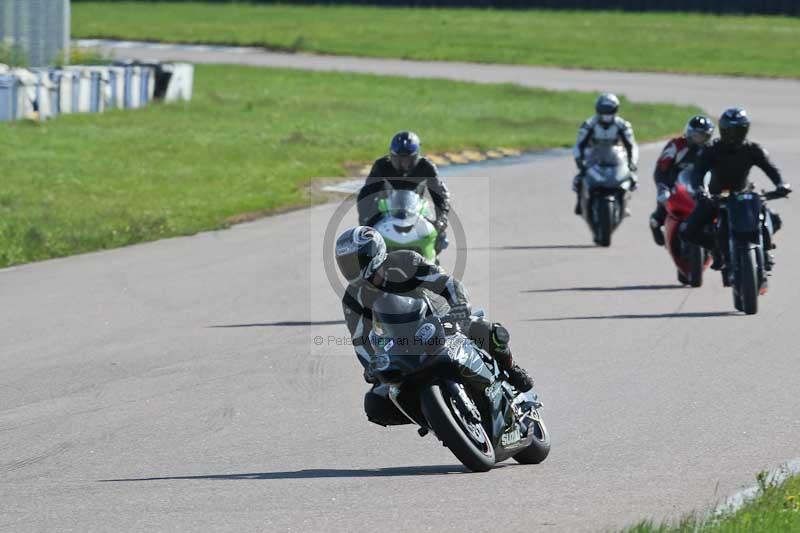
500, 335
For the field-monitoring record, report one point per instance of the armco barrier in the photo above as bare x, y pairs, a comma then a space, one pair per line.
43, 93
760, 7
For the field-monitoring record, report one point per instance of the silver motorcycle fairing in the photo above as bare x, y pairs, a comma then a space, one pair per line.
405, 223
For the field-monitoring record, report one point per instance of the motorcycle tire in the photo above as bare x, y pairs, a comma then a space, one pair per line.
697, 259
538, 450
452, 430
747, 282
605, 222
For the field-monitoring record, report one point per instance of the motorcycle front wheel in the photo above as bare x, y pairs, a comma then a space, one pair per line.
605, 222
468, 440
538, 450
697, 261
747, 282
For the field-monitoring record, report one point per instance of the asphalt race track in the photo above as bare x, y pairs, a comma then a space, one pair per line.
177, 385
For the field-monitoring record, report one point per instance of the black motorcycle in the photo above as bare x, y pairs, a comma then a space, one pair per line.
441, 381
605, 194
744, 229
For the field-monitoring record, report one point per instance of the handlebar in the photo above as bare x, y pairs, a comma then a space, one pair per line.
776, 194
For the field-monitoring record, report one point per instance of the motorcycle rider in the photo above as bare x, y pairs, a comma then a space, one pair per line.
679, 154
603, 131
404, 168
362, 259
729, 159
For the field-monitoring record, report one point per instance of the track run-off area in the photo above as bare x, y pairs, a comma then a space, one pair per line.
204, 382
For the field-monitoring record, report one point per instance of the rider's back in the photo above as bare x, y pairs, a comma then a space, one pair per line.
730, 165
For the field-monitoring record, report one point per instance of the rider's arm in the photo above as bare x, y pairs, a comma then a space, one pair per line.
703, 163
582, 141
435, 279
666, 160
438, 191
368, 195
762, 161
359, 323
629, 142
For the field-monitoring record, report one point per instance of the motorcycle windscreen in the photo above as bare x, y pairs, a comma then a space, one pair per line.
404, 205
744, 215
395, 337
607, 176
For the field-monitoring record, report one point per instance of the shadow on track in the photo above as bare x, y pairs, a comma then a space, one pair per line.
317, 473
709, 314
289, 323
534, 247
605, 289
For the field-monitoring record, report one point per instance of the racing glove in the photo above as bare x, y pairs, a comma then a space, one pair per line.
581, 164
369, 378
783, 190
461, 314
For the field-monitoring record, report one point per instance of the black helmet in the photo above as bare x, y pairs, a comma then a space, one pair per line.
699, 130
404, 151
359, 252
733, 126
607, 104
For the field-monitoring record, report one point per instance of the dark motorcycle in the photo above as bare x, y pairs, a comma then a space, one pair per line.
440, 380
744, 229
605, 194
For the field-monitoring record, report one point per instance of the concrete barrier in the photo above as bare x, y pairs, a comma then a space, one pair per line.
43, 93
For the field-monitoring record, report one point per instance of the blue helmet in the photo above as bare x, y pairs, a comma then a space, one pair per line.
404, 151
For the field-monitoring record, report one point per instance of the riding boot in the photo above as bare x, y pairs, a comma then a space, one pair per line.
657, 219
493, 338
502, 354
577, 185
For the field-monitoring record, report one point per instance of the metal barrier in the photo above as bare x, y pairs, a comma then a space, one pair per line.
39, 27
764, 7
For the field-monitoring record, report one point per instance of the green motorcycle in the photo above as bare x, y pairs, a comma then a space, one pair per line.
405, 223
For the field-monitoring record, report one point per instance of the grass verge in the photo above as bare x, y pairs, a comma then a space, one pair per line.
674, 42
776, 509
249, 142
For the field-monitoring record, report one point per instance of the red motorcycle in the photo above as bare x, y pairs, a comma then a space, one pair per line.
690, 259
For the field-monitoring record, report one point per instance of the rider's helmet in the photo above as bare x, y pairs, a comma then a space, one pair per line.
359, 252
699, 130
606, 107
404, 151
733, 126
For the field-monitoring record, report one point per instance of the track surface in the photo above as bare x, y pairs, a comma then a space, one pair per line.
185, 370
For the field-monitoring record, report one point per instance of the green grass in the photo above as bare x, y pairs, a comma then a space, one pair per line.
677, 42
250, 141
775, 510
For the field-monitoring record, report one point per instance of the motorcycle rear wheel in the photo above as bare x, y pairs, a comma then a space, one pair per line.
468, 441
